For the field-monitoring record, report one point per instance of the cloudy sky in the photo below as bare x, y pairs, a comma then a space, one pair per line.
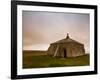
42, 28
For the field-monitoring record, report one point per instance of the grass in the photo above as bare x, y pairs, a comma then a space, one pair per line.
41, 61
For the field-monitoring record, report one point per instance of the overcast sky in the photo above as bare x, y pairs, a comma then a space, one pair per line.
42, 28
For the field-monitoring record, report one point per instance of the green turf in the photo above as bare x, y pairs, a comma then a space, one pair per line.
41, 61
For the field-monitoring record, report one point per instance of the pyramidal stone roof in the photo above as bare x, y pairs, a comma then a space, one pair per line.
66, 40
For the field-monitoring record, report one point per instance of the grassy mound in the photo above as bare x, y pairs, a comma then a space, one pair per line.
42, 61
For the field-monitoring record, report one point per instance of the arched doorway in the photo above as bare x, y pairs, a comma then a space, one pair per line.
65, 53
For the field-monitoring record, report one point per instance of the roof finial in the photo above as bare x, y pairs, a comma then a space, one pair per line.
67, 36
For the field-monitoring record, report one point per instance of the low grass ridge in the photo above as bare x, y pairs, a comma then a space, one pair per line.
42, 61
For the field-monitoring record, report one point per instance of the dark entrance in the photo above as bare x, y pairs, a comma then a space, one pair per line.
65, 53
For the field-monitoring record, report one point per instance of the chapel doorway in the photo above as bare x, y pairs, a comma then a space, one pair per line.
65, 53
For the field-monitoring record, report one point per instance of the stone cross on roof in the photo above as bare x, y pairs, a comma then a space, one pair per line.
67, 36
